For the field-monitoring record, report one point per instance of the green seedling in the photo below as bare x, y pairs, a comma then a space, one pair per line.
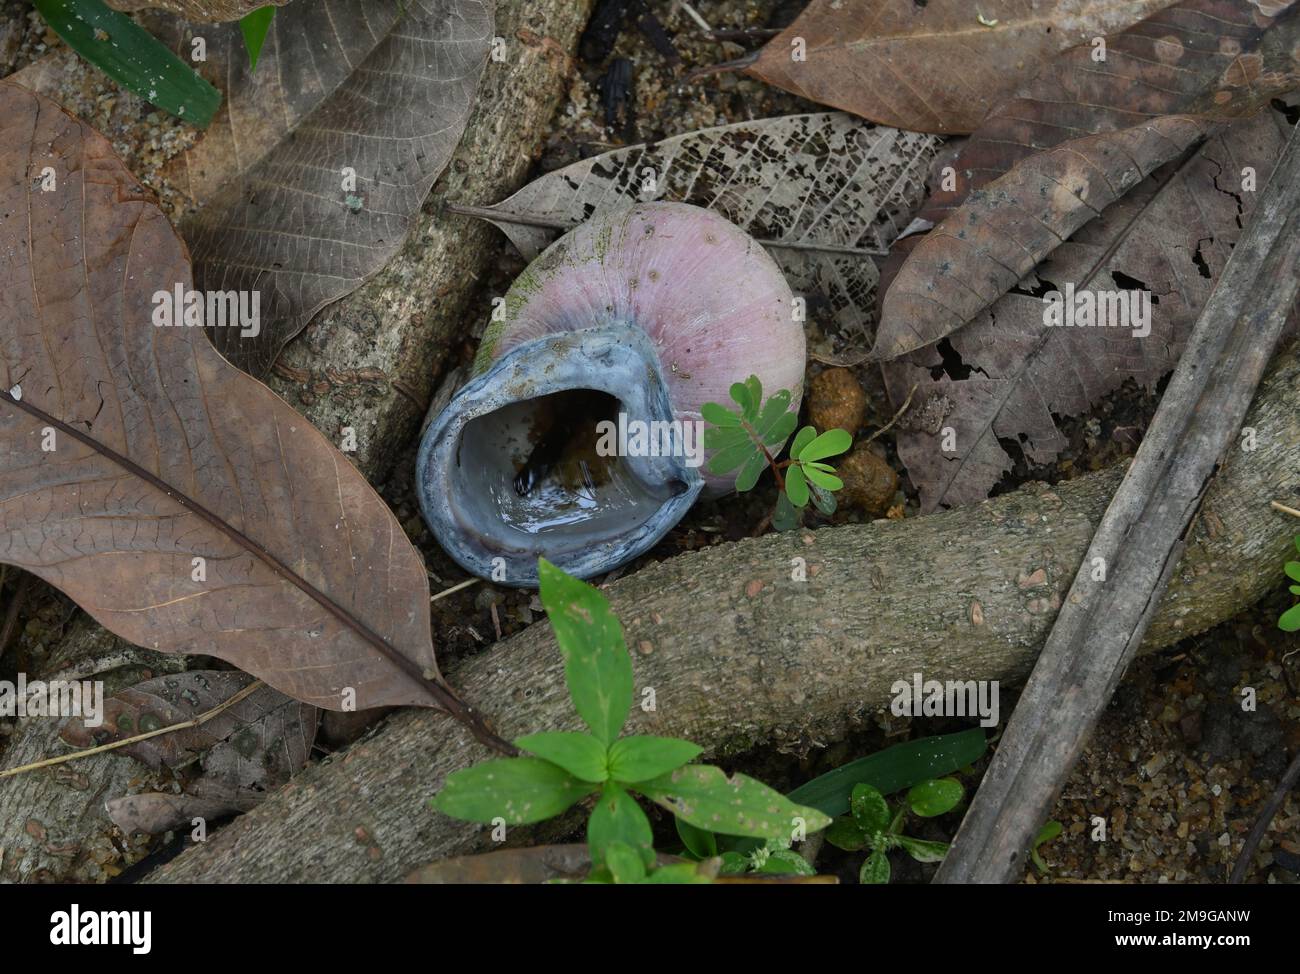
749, 440
874, 825
563, 767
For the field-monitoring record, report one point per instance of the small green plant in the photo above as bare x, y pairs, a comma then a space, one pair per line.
891, 770
873, 825
1290, 620
563, 767
750, 441
1046, 834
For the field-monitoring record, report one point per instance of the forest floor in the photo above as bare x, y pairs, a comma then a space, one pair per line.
1177, 769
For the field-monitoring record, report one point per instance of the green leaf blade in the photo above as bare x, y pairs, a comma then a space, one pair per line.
826, 481
828, 444
738, 805
922, 850
618, 818
254, 26
869, 809
935, 797
700, 843
597, 667
796, 487
893, 769
875, 869
519, 790
131, 56
640, 758
719, 415
579, 754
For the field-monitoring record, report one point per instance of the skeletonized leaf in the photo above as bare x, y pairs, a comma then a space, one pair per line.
314, 170
257, 742
207, 11
178, 501
1000, 383
823, 193
932, 67
1073, 141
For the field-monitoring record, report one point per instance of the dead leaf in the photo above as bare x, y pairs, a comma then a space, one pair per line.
227, 764
1079, 136
257, 742
931, 67
154, 812
537, 864
1007, 377
314, 170
823, 193
180, 502
207, 11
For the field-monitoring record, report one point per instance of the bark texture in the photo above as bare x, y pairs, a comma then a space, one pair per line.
737, 653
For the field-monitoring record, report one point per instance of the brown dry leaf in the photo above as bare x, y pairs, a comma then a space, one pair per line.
180, 502
931, 67
257, 742
996, 388
1079, 136
154, 812
315, 168
245, 751
537, 864
206, 11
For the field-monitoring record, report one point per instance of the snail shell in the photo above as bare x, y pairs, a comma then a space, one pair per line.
637, 317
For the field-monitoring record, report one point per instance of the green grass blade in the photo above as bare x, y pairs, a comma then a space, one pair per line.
132, 57
254, 27
892, 769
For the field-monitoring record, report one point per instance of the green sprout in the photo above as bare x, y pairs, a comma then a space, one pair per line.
1290, 620
1046, 834
873, 825
749, 441
564, 767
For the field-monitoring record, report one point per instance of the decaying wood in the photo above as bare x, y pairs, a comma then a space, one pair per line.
773, 660
369, 363
1138, 543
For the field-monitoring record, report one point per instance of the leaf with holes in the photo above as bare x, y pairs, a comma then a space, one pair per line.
1070, 143
178, 501
994, 390
931, 67
822, 193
